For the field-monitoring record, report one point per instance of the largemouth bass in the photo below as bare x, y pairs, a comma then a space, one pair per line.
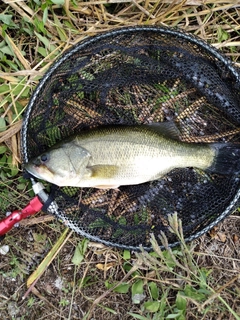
109, 157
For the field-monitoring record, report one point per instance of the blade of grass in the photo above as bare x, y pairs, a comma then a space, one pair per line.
15, 49
49, 257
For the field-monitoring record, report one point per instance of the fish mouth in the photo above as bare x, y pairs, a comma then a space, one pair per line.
32, 169
38, 171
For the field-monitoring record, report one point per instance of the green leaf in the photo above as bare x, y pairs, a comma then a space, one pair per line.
42, 51
194, 293
3, 160
152, 306
154, 290
80, 252
21, 186
62, 34
3, 149
108, 284
28, 31
9, 160
137, 316
109, 309
137, 291
222, 34
39, 26
137, 287
85, 281
20, 88
39, 237
4, 88
181, 302
122, 288
126, 255
45, 41
7, 19
169, 260
11, 65
45, 15
7, 50
204, 273
14, 171
127, 266
59, 2
3, 125
173, 315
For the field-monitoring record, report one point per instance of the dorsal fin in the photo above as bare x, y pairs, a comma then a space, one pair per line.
167, 129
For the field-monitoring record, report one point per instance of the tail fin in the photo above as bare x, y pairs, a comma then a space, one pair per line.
227, 159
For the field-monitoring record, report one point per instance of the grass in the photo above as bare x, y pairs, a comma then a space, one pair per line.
81, 279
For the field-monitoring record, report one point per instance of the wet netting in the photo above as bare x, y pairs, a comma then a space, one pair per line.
139, 75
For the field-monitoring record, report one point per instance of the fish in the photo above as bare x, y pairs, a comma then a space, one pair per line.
108, 157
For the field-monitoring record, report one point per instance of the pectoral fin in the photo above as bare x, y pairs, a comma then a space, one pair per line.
100, 174
103, 171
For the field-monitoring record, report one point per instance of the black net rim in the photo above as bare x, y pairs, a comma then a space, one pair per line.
178, 34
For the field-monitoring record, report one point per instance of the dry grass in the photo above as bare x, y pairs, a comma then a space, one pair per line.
31, 46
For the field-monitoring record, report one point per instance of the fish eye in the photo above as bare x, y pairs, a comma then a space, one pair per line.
44, 157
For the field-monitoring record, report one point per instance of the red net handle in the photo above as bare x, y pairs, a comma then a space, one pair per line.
33, 207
